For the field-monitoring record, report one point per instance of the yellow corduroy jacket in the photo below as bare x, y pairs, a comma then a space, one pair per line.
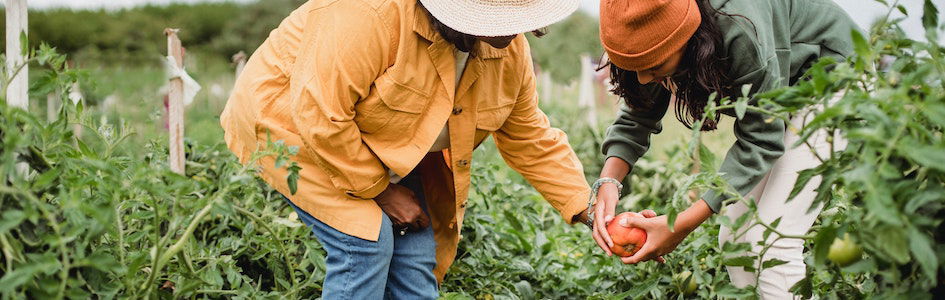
363, 84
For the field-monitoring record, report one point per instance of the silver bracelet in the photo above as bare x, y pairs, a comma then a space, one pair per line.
593, 200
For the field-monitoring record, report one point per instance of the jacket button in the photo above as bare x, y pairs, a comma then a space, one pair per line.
463, 163
457, 110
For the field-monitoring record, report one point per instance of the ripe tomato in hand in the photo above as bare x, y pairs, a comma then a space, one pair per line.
627, 240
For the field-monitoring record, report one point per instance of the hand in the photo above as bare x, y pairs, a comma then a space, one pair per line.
603, 214
659, 239
403, 208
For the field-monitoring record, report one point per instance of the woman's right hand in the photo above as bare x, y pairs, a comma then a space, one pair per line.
403, 208
604, 209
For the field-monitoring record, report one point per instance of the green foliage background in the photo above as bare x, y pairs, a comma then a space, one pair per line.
215, 31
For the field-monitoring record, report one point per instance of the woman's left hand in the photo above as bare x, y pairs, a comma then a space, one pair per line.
659, 239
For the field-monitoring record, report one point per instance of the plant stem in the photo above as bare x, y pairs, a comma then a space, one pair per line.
121, 234
178, 246
223, 292
7, 252
285, 253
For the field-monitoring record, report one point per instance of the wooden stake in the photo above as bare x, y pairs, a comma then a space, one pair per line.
16, 27
240, 60
175, 111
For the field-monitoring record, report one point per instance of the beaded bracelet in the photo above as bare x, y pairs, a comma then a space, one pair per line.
593, 200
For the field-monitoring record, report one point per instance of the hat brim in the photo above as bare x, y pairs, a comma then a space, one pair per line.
475, 17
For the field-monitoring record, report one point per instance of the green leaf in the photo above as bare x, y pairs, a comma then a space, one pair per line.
293, 178
740, 107
524, 289
747, 262
768, 232
46, 178
729, 291
638, 290
803, 288
902, 9
671, 215
929, 16
513, 220
24, 44
922, 251
803, 177
822, 243
731, 247
774, 262
45, 263
880, 204
86, 150
894, 242
281, 160
860, 45
924, 155
935, 112
11, 218
102, 261
707, 159
746, 89
924, 197
455, 296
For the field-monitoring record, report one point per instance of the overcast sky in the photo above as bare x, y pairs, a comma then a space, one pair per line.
862, 11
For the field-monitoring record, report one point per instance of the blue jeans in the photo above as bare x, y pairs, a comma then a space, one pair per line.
394, 267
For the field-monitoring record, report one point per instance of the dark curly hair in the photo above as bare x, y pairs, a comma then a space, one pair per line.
703, 70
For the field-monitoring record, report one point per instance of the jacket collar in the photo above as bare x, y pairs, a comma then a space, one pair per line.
421, 25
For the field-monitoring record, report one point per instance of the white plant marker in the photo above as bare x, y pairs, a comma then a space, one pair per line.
175, 111
586, 91
19, 86
16, 26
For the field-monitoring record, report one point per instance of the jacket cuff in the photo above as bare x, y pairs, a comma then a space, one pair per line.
714, 200
371, 191
574, 207
622, 151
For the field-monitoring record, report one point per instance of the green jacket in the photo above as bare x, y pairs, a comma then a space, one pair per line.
772, 50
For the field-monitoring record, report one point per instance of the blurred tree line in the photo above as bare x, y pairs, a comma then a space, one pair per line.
135, 35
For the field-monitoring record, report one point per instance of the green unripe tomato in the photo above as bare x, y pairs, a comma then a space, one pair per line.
844, 252
680, 279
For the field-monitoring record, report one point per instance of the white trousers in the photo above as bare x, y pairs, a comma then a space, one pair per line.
771, 195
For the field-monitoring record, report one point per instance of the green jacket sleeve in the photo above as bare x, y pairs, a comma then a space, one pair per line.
759, 141
629, 137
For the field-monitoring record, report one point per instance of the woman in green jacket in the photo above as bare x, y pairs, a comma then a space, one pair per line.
690, 49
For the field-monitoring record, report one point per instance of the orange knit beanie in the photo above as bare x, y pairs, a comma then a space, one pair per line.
639, 34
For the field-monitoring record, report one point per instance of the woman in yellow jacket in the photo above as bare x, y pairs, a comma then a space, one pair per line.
387, 100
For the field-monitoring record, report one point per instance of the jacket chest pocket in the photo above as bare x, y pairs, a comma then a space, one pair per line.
391, 107
491, 116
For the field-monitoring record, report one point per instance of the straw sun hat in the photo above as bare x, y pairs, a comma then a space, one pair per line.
493, 18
